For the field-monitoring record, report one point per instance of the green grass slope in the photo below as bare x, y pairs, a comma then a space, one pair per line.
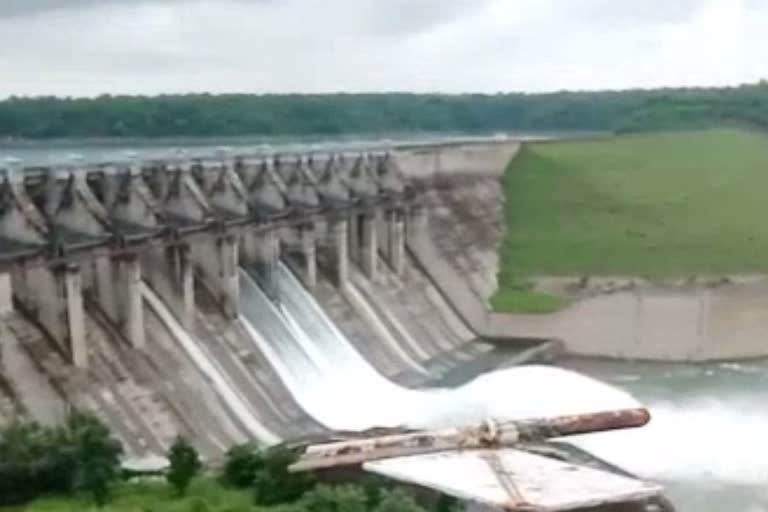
654, 205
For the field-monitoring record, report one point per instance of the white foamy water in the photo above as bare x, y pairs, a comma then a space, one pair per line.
341, 390
696, 441
706, 440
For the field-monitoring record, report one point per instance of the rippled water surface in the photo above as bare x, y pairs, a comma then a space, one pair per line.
707, 441
50, 152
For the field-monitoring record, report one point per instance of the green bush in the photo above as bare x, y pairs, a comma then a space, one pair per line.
342, 498
266, 472
274, 484
397, 500
184, 465
80, 455
241, 464
96, 455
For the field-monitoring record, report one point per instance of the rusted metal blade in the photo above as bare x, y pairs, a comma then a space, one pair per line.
490, 434
563, 426
505, 480
515, 480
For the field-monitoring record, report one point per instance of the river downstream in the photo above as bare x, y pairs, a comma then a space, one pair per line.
706, 441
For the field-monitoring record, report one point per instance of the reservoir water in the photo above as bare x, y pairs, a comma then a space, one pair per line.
50, 152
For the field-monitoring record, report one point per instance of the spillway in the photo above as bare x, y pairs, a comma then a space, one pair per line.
341, 390
225, 390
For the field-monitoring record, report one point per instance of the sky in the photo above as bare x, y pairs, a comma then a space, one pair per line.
91, 47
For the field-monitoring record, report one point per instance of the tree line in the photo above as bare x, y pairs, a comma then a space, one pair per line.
82, 458
338, 114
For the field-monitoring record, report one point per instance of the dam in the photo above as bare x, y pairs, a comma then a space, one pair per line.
260, 298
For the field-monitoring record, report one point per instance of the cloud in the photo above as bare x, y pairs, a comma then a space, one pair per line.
9, 8
409, 16
630, 14
82, 47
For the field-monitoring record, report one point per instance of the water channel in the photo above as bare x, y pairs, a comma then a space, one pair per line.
705, 442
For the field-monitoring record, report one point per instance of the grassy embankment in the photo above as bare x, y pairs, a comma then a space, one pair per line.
651, 205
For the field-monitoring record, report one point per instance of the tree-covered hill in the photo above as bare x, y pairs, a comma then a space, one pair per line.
335, 114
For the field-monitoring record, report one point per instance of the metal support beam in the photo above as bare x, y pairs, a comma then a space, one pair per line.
490, 434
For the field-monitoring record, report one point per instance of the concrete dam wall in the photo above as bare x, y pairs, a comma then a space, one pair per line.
209, 297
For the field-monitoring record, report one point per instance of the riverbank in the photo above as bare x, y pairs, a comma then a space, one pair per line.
630, 318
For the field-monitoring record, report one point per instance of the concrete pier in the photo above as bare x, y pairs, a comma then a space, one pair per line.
6, 294
369, 245
230, 279
170, 273
396, 241
104, 279
116, 283
73, 291
53, 296
339, 233
309, 250
354, 236
132, 320
268, 256
417, 224
249, 247
218, 263
185, 279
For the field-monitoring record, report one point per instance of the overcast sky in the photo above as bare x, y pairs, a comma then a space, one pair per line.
88, 47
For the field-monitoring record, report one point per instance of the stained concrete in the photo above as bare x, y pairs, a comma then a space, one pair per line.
6, 294
41, 400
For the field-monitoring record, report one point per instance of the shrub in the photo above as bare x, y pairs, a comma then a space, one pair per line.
36, 460
343, 498
184, 465
397, 500
274, 484
96, 455
241, 464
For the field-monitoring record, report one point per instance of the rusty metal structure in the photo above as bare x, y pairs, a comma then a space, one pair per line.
490, 464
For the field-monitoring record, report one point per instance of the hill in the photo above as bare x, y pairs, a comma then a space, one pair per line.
337, 114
